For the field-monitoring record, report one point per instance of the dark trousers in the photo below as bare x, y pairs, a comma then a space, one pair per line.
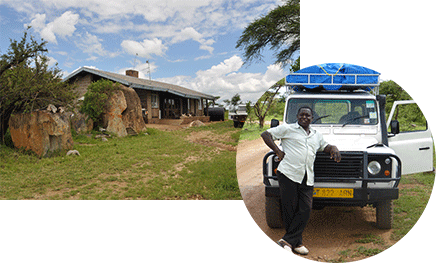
296, 206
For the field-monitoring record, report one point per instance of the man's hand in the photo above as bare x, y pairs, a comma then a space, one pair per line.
267, 138
280, 154
334, 152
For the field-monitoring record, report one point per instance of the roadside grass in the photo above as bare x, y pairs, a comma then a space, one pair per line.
153, 165
251, 131
415, 191
410, 205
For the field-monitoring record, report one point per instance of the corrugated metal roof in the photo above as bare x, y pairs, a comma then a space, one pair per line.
139, 83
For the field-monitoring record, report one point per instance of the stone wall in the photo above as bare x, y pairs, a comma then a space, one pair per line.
83, 83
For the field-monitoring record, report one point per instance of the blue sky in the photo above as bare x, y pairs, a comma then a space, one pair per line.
188, 43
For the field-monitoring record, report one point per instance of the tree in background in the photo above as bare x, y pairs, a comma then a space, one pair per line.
279, 30
393, 93
262, 106
27, 83
269, 101
233, 102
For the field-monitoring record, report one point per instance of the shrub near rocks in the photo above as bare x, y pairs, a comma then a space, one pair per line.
115, 107
96, 97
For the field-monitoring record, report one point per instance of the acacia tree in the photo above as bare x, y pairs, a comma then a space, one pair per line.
265, 102
233, 102
279, 30
27, 82
263, 105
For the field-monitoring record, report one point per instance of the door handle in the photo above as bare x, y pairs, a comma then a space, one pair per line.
424, 148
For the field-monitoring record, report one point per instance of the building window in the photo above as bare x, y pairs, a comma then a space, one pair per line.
199, 104
154, 103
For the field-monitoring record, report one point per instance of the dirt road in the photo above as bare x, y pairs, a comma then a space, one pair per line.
329, 231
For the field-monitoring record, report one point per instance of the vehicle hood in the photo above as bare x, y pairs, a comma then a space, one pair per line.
351, 142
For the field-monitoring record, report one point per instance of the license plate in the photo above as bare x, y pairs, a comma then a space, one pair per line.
333, 192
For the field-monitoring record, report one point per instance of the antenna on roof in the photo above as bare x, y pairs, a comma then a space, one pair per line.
149, 72
134, 62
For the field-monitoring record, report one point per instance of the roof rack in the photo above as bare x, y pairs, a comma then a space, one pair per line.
334, 77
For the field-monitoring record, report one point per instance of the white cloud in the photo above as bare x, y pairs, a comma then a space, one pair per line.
91, 44
189, 33
146, 48
225, 80
145, 69
62, 26
51, 61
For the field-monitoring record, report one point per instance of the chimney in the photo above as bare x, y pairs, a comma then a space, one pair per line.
132, 73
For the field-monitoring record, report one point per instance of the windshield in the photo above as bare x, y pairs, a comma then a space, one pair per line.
335, 111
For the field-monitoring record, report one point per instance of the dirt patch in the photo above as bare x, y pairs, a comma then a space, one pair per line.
167, 127
208, 138
180, 166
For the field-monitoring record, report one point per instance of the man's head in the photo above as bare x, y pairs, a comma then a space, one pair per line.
304, 116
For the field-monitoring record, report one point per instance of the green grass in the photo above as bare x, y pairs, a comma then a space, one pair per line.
412, 202
367, 252
252, 131
156, 165
370, 238
415, 191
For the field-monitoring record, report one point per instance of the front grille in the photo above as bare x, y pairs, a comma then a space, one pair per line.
350, 166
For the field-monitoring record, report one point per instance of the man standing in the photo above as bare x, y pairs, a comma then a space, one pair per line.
295, 173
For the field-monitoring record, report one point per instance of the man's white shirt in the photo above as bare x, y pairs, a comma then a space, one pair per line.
300, 150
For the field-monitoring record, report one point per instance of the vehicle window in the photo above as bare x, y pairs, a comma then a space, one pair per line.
410, 118
336, 112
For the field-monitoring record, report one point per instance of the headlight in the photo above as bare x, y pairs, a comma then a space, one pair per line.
374, 167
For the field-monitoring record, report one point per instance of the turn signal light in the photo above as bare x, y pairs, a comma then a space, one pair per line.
387, 173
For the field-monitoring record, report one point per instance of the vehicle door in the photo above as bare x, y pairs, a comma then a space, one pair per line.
410, 137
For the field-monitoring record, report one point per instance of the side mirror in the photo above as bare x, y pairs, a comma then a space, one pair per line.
395, 127
274, 123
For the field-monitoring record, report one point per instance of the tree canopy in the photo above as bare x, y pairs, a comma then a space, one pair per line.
279, 30
27, 82
233, 102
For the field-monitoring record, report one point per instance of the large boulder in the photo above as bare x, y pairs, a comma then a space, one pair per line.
132, 115
41, 131
112, 117
123, 113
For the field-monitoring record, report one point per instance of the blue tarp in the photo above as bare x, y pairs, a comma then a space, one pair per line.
333, 76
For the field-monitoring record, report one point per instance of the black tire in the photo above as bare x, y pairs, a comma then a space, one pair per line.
273, 212
384, 214
235, 124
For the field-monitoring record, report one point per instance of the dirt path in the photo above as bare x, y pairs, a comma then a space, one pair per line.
330, 231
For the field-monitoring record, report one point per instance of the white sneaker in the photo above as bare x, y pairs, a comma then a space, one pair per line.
302, 250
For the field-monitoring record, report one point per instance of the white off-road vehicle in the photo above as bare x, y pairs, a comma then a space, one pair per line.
351, 115
239, 115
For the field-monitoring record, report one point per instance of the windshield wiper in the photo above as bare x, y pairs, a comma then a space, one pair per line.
319, 118
350, 121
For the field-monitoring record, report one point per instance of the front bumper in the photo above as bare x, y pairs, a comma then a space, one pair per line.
361, 196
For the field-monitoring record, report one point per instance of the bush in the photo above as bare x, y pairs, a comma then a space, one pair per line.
95, 98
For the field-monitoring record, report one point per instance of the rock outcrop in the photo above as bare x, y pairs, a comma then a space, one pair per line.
123, 114
80, 122
112, 117
41, 131
132, 116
